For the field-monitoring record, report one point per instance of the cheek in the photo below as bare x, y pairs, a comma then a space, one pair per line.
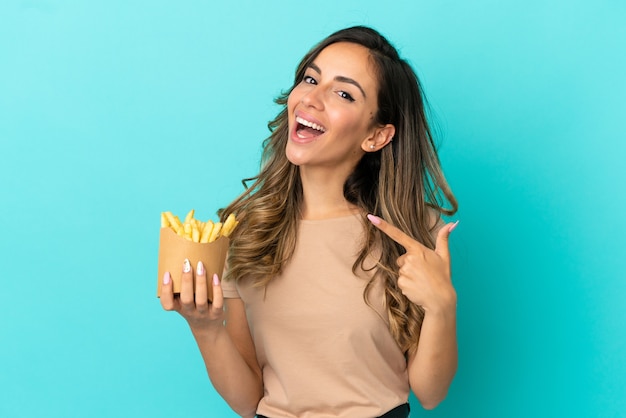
294, 98
292, 101
349, 123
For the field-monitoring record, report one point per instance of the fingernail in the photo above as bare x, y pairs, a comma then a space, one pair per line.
453, 226
186, 266
216, 280
373, 219
167, 278
200, 268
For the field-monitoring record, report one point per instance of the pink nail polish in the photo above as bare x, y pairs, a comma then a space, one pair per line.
186, 266
216, 280
453, 226
200, 268
373, 219
167, 278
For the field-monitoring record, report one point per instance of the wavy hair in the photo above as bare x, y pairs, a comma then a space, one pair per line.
403, 182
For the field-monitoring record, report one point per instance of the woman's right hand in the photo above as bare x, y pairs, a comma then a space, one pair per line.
227, 349
194, 306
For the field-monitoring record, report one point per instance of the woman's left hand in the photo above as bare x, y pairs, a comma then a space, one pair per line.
424, 274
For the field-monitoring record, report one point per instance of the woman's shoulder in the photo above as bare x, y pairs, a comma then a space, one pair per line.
434, 221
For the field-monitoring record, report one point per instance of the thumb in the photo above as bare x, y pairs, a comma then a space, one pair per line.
441, 246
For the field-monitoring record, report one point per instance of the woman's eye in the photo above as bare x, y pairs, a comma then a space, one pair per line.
345, 95
309, 80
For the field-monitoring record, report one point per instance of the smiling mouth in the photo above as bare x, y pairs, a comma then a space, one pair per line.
306, 129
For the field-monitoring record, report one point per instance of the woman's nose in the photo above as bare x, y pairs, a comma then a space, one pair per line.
313, 98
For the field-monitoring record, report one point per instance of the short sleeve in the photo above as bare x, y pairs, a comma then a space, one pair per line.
229, 288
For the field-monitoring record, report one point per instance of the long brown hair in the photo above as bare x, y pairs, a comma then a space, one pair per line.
403, 182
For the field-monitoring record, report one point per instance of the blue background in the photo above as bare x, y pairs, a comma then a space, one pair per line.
113, 111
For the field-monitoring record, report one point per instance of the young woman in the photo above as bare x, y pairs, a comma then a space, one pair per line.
327, 310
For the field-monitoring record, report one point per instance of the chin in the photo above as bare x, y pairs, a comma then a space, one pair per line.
294, 159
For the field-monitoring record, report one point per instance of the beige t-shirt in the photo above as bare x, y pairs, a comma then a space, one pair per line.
323, 351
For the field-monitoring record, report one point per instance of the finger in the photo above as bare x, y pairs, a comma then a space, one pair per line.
402, 284
167, 293
394, 233
218, 297
442, 245
202, 299
186, 285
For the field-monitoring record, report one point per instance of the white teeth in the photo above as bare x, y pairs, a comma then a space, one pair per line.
310, 124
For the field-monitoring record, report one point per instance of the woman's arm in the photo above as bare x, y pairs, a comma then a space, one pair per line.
433, 365
223, 338
424, 277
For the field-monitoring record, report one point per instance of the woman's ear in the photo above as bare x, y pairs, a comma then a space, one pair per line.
381, 137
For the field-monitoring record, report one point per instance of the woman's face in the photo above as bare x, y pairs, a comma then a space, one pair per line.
332, 109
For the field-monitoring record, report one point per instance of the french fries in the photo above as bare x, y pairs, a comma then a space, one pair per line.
198, 231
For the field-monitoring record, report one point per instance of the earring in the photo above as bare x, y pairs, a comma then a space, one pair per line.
372, 146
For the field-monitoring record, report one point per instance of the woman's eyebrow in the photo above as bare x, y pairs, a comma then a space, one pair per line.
340, 78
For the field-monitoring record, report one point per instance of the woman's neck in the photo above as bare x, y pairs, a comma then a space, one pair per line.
322, 192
